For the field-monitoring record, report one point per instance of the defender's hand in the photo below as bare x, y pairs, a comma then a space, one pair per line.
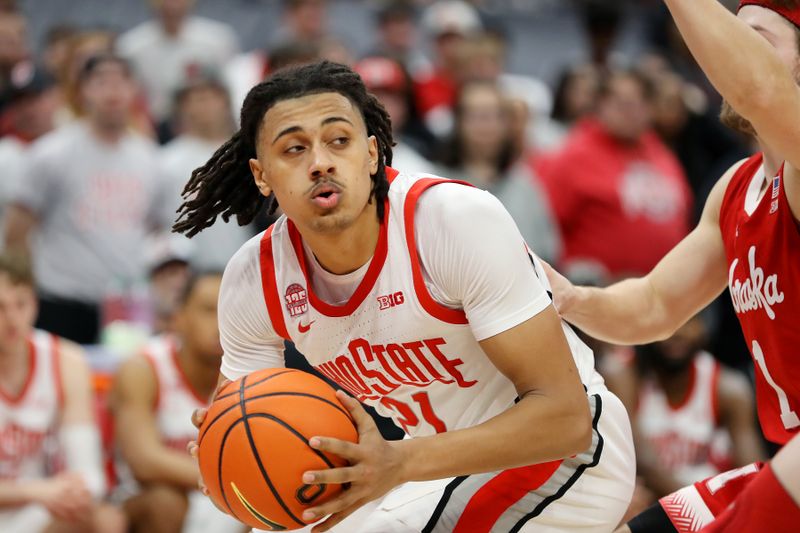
565, 294
376, 467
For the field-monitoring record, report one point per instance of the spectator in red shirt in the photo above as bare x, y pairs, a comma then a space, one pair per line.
620, 196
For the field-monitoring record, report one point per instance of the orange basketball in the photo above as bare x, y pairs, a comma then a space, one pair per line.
254, 446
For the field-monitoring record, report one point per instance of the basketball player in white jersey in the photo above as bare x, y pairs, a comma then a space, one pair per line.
692, 417
153, 398
418, 296
51, 475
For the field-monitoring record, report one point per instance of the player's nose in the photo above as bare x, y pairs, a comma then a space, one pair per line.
321, 162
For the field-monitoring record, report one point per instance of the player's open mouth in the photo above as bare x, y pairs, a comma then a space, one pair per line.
326, 196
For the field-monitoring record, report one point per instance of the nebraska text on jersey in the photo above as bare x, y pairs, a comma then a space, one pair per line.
754, 292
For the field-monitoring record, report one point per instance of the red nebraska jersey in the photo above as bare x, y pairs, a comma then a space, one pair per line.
762, 246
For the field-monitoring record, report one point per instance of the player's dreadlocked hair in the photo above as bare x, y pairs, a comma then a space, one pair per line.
224, 186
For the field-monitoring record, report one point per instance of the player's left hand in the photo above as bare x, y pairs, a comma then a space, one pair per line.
376, 467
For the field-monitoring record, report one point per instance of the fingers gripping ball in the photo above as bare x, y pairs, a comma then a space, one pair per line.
253, 446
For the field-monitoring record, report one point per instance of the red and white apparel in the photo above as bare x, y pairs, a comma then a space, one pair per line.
176, 399
686, 438
762, 245
29, 420
402, 335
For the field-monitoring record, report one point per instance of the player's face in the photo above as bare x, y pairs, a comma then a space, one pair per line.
108, 94
196, 321
315, 156
782, 35
17, 312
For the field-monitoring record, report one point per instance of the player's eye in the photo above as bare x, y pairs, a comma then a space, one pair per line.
295, 149
341, 141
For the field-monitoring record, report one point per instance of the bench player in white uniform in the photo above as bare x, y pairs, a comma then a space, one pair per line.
694, 417
153, 398
51, 475
419, 297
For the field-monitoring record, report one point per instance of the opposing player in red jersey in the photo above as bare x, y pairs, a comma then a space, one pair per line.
418, 295
51, 475
748, 235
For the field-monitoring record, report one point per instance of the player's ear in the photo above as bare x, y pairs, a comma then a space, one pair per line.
260, 177
373, 154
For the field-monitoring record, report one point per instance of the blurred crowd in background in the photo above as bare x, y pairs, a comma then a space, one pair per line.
588, 119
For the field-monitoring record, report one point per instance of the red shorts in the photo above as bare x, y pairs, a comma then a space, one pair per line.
694, 507
764, 505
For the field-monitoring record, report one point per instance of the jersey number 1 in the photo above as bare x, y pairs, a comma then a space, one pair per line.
408, 419
788, 417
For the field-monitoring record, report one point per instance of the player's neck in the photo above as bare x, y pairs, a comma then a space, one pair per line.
772, 161
675, 385
201, 377
13, 364
107, 133
347, 250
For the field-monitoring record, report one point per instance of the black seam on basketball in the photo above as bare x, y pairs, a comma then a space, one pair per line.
219, 468
270, 394
575, 476
295, 433
228, 395
257, 457
437, 513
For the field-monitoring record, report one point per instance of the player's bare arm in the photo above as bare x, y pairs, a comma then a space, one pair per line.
737, 415
133, 398
19, 223
653, 307
551, 395
752, 62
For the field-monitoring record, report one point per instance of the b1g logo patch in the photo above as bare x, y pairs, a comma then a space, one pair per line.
296, 300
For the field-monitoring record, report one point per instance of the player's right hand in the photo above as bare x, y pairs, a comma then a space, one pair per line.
65, 496
564, 292
197, 419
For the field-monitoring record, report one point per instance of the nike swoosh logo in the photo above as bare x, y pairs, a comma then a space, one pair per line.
304, 329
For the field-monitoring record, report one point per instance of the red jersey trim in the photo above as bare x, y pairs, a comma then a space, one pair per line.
433, 308
690, 390
32, 354
269, 285
391, 174
364, 288
57, 377
173, 349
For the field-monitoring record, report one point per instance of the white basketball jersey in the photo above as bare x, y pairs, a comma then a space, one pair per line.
392, 345
176, 400
29, 420
686, 437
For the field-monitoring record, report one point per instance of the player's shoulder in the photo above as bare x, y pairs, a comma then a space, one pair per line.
717, 194
449, 200
58, 142
243, 271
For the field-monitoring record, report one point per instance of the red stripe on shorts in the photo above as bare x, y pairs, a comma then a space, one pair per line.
504, 490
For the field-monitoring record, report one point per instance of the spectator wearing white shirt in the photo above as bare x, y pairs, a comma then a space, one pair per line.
85, 203
204, 120
175, 43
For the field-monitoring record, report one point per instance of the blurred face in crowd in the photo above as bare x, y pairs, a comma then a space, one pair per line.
783, 36
396, 105
399, 33
481, 58
483, 126
173, 11
34, 115
17, 312
196, 320
624, 109
307, 18
108, 94
669, 112
580, 92
675, 354
13, 40
205, 111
